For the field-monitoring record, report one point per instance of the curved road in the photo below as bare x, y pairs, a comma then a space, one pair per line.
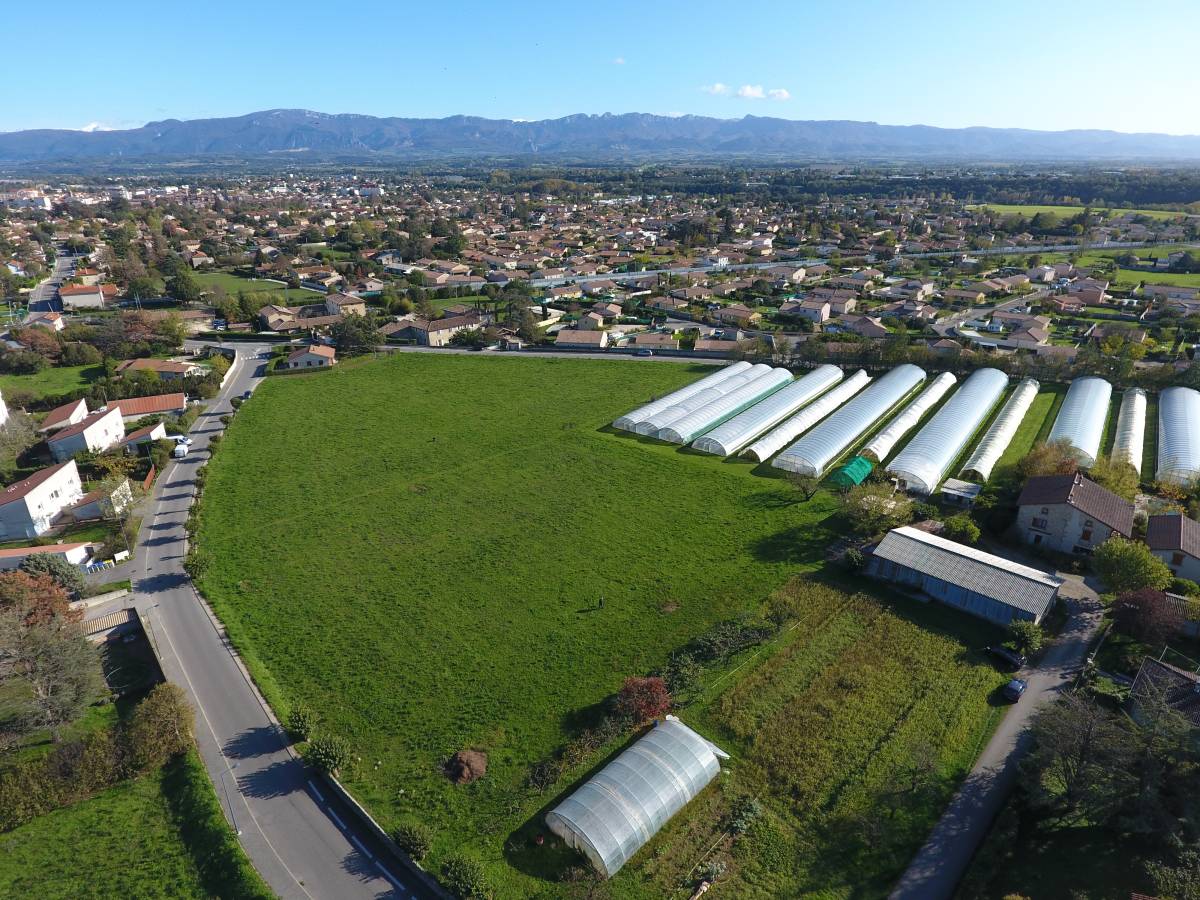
299, 836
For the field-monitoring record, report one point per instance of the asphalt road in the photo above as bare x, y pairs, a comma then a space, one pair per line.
45, 293
303, 842
939, 866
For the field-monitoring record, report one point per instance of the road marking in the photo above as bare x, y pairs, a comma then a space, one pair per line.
334, 816
361, 848
315, 791
396, 883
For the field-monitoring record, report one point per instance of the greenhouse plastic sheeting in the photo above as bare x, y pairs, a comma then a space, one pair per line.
1131, 428
628, 421
923, 463
691, 426
881, 445
698, 400
1081, 419
772, 442
997, 438
730, 437
619, 809
816, 450
1178, 435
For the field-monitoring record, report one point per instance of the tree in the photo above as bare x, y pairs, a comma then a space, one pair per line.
643, 699
469, 337
67, 576
873, 508
806, 485
1129, 566
961, 528
36, 598
1027, 637
1116, 475
356, 335
1180, 881
161, 727
184, 287
1052, 458
527, 328
57, 665
1148, 615
327, 754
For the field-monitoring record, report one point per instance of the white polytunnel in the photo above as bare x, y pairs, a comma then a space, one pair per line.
923, 463
615, 812
1131, 429
1081, 419
629, 420
730, 437
774, 441
662, 418
1178, 435
1001, 432
691, 426
813, 453
883, 442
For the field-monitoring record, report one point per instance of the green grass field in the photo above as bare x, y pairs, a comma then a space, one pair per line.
51, 382
1132, 277
234, 283
1039, 419
426, 571
1030, 210
159, 836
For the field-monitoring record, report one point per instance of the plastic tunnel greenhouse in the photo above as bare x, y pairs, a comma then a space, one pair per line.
923, 463
698, 400
813, 453
1131, 429
730, 437
997, 438
691, 426
881, 445
772, 442
615, 812
1178, 435
1081, 419
628, 421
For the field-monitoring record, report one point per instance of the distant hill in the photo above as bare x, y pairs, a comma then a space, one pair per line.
312, 134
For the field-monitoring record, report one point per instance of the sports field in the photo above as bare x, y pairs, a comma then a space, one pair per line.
438, 553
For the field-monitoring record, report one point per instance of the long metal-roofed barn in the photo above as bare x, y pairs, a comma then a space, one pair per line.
1178, 435
694, 424
923, 463
664, 417
628, 421
1131, 429
731, 436
883, 443
619, 809
1080, 421
813, 453
1001, 432
778, 438
984, 585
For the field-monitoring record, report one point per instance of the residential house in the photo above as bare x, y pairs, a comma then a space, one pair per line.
345, 305
591, 321
737, 314
1175, 539
81, 296
316, 356
52, 320
29, 507
96, 433
864, 325
146, 435
62, 416
134, 408
1159, 682
76, 554
656, 340
437, 332
1070, 513
168, 370
573, 338
813, 310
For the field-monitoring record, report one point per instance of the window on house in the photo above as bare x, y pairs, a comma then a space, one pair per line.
1176, 559
1037, 538
1087, 534
1045, 510
1088, 523
1039, 523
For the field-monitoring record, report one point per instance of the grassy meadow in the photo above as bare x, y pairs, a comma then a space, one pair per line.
234, 283
1030, 210
437, 553
52, 382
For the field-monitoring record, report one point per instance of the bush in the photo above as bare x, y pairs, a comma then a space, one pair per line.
160, 728
1026, 637
743, 814
643, 699
854, 559
961, 528
301, 722
66, 575
725, 639
464, 877
327, 754
1184, 586
413, 839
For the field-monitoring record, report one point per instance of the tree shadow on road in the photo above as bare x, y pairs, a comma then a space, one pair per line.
154, 584
277, 780
253, 742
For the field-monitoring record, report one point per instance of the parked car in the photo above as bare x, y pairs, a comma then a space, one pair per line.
182, 439
246, 395
1015, 689
644, 352
181, 450
1008, 658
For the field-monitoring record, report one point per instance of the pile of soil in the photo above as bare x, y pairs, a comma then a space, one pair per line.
466, 766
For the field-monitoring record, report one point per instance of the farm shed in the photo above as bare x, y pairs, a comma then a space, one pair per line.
926, 459
979, 583
1082, 417
615, 812
816, 450
629, 420
1131, 428
691, 426
730, 437
1178, 435
881, 445
997, 438
700, 399
774, 441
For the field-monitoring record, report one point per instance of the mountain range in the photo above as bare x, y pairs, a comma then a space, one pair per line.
311, 135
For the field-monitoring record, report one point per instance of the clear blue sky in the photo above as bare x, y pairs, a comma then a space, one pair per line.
1049, 64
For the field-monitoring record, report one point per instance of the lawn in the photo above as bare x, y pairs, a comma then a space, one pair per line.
234, 283
433, 582
1039, 418
51, 382
161, 835
1030, 210
1132, 277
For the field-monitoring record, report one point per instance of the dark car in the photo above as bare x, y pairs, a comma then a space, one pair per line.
644, 353
1009, 659
1015, 689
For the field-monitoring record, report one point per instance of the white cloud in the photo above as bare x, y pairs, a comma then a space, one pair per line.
619, 61
779, 94
97, 126
717, 89
751, 92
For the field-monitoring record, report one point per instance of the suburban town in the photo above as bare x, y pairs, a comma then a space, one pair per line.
600, 506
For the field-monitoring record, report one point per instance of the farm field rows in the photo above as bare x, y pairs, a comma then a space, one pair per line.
460, 554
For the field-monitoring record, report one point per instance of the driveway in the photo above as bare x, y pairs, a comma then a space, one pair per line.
936, 870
